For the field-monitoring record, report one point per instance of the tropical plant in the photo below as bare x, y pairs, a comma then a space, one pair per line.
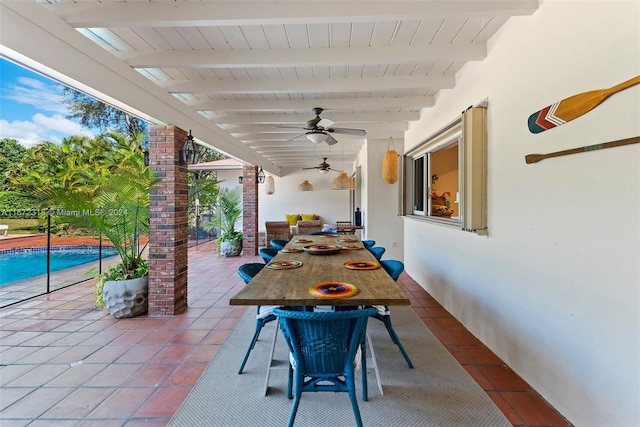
114, 201
11, 152
227, 212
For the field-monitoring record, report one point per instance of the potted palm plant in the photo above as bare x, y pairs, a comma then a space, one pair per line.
116, 206
228, 211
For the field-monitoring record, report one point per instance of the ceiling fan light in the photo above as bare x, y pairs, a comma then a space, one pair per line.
305, 186
323, 171
343, 182
316, 137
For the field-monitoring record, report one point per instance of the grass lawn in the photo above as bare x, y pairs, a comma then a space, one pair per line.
21, 226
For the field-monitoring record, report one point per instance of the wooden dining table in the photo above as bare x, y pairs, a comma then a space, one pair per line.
291, 286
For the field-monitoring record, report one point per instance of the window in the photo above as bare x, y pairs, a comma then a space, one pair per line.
444, 179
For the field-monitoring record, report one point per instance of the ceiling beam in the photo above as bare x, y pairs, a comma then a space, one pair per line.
280, 137
256, 105
190, 14
233, 119
240, 130
323, 56
349, 84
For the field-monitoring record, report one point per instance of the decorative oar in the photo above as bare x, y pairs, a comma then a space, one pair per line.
573, 107
534, 158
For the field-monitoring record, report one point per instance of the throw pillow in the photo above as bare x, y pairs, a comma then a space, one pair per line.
308, 217
292, 219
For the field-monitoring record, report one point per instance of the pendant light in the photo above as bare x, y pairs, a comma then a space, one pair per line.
342, 181
390, 164
269, 185
305, 186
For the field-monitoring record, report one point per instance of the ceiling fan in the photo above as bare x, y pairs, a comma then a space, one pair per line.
323, 167
319, 130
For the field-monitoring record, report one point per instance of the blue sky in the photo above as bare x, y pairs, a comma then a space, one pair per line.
31, 109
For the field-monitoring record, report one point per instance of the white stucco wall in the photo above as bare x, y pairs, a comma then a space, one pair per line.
554, 289
380, 200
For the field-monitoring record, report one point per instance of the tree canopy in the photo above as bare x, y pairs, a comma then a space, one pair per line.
93, 113
11, 153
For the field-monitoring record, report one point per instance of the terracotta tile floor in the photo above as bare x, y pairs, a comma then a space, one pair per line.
65, 363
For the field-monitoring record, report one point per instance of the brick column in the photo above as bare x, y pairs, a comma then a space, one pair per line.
168, 234
249, 211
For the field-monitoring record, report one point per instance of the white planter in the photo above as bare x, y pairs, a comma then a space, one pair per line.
230, 248
126, 298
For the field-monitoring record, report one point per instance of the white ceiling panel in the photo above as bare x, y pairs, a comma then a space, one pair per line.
232, 70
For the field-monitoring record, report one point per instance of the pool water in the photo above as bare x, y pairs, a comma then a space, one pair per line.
22, 265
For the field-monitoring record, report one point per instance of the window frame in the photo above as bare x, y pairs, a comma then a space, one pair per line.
469, 131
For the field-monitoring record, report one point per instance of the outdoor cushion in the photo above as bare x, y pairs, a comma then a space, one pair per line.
292, 219
308, 217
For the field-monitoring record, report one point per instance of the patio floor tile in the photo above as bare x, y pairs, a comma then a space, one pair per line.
105, 372
78, 403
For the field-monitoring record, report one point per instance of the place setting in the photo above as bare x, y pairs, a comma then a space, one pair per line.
361, 265
347, 240
333, 290
290, 250
352, 247
302, 241
284, 265
322, 249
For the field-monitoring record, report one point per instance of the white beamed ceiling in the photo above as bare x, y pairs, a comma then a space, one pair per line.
235, 69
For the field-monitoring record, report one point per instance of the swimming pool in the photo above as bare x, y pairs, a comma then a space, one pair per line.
19, 264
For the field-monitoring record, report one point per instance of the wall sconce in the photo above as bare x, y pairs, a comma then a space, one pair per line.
146, 157
260, 177
189, 154
240, 178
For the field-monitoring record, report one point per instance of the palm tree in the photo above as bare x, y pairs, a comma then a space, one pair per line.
105, 183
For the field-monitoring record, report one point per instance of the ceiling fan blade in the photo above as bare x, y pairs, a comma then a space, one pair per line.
325, 123
315, 167
331, 140
287, 127
335, 170
294, 137
358, 132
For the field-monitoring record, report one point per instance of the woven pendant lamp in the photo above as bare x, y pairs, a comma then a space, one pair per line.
343, 182
269, 185
390, 164
305, 186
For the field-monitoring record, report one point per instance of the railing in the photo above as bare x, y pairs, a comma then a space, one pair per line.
199, 219
42, 253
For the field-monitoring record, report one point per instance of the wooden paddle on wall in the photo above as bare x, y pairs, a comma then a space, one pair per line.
573, 107
534, 158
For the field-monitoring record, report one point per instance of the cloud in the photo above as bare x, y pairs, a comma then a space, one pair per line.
36, 93
58, 123
41, 128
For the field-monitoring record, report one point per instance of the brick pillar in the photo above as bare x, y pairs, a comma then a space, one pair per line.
168, 234
249, 211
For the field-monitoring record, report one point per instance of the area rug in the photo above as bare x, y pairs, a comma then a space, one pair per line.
437, 392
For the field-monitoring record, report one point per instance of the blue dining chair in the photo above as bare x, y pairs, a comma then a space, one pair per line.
323, 348
377, 251
249, 270
368, 243
394, 268
267, 254
278, 243
264, 313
